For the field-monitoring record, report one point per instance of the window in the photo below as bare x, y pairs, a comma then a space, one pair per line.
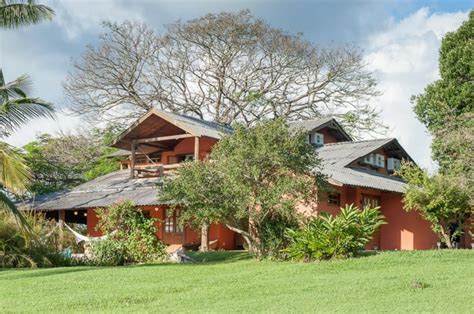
372, 201
172, 222
188, 157
334, 199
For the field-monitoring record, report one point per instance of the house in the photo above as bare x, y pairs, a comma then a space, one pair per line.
360, 172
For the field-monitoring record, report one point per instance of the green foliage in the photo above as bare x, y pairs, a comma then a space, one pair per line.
252, 182
109, 252
439, 199
65, 161
446, 107
328, 237
14, 14
453, 94
36, 248
133, 232
199, 189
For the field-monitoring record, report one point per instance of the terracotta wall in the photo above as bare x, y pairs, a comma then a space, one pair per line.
218, 232
186, 146
404, 230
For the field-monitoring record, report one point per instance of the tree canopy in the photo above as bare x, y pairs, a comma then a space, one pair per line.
446, 106
14, 14
439, 199
252, 182
446, 109
64, 161
227, 66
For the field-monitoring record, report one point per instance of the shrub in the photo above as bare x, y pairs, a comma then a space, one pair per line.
328, 237
108, 252
133, 232
38, 249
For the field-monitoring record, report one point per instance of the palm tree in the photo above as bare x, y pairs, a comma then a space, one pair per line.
16, 109
14, 14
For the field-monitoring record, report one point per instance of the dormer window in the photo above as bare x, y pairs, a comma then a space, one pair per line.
380, 160
316, 139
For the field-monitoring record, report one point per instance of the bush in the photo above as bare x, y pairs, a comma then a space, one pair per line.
108, 252
38, 249
134, 234
329, 237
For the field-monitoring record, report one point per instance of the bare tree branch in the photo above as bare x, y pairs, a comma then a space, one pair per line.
226, 67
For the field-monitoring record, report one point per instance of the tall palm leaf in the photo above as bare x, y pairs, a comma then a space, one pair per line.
14, 14
16, 109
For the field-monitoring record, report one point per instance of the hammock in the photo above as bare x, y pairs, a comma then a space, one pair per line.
80, 238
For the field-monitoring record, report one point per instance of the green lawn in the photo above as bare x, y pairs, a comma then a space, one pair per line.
231, 282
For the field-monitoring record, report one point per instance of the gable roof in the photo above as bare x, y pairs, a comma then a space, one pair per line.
181, 124
337, 157
343, 153
318, 124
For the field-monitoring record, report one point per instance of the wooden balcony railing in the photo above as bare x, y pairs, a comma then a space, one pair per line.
155, 170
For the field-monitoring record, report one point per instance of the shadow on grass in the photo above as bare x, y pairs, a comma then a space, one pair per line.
207, 258
219, 256
38, 273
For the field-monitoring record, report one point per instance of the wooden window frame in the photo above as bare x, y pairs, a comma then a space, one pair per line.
334, 199
171, 222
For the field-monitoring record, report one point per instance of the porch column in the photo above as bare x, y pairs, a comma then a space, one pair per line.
132, 159
196, 148
61, 219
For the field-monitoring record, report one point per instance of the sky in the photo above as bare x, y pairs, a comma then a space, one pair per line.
400, 40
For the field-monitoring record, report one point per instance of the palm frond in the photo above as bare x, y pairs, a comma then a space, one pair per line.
14, 14
17, 88
14, 173
7, 206
17, 112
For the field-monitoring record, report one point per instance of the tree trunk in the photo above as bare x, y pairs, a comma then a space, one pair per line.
255, 247
446, 237
204, 238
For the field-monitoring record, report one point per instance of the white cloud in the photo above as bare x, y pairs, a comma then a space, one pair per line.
63, 123
77, 17
405, 59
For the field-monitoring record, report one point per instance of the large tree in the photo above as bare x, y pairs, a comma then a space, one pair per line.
252, 182
228, 66
66, 160
439, 199
446, 107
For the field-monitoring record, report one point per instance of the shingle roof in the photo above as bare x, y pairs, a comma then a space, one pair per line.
336, 157
361, 178
308, 125
100, 192
343, 153
200, 127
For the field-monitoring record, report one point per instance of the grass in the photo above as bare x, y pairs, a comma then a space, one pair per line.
429, 281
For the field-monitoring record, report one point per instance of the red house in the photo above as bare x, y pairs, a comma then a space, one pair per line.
361, 172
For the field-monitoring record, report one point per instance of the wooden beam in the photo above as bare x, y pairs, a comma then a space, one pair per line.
163, 138
196, 148
61, 219
132, 159
159, 146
